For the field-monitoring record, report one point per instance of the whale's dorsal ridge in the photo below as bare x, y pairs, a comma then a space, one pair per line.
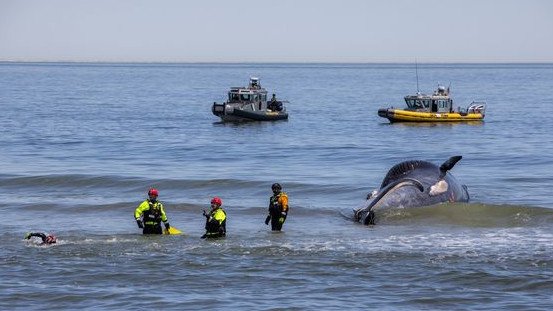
403, 168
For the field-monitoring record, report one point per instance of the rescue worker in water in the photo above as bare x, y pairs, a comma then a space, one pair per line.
216, 220
46, 239
150, 213
278, 208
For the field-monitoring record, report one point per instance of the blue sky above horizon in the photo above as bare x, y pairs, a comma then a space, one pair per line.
277, 31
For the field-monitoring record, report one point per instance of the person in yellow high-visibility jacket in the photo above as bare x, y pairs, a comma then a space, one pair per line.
278, 208
216, 220
150, 213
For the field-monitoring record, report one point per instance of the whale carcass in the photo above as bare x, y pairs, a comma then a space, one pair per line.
413, 183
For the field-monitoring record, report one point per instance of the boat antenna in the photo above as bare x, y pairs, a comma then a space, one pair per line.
417, 73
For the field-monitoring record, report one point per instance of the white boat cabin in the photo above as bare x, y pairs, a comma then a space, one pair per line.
253, 93
439, 102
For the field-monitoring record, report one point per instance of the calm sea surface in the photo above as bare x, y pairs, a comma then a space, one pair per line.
82, 143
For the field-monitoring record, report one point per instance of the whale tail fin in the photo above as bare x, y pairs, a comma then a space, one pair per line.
449, 164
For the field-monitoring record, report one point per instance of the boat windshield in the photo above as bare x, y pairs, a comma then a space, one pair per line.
233, 97
417, 103
245, 97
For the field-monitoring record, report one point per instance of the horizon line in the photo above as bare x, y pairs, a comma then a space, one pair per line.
267, 62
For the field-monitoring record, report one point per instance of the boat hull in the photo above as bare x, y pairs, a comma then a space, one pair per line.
401, 115
260, 115
236, 114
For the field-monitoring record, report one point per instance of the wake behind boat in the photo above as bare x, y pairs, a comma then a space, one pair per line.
437, 107
250, 104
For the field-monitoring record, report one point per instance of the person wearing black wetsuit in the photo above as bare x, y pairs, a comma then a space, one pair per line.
46, 239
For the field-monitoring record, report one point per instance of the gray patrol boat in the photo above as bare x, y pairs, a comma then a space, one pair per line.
250, 104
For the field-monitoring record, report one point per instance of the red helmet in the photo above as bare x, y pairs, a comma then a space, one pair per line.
153, 192
217, 200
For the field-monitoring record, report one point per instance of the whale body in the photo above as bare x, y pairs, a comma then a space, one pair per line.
413, 183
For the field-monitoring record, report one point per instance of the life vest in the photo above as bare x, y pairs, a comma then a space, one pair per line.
275, 206
224, 223
152, 216
215, 226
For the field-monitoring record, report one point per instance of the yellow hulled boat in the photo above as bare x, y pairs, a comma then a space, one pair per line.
437, 107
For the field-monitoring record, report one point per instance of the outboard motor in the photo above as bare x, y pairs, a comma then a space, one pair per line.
278, 106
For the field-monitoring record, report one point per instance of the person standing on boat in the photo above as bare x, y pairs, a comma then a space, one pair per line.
274, 105
150, 213
278, 208
216, 220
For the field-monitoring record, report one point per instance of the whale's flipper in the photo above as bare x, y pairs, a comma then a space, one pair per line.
369, 220
449, 164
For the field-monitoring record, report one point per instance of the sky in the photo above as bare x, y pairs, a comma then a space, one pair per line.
277, 30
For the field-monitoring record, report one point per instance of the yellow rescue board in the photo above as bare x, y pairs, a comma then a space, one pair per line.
172, 230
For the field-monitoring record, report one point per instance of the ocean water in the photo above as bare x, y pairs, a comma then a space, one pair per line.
82, 143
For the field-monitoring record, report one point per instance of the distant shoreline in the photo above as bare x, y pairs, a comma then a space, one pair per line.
274, 63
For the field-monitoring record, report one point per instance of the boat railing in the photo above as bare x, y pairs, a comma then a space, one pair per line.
477, 107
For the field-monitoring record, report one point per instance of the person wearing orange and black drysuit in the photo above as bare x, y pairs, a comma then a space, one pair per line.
216, 220
150, 213
278, 208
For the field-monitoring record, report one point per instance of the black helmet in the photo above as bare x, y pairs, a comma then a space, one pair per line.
276, 186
